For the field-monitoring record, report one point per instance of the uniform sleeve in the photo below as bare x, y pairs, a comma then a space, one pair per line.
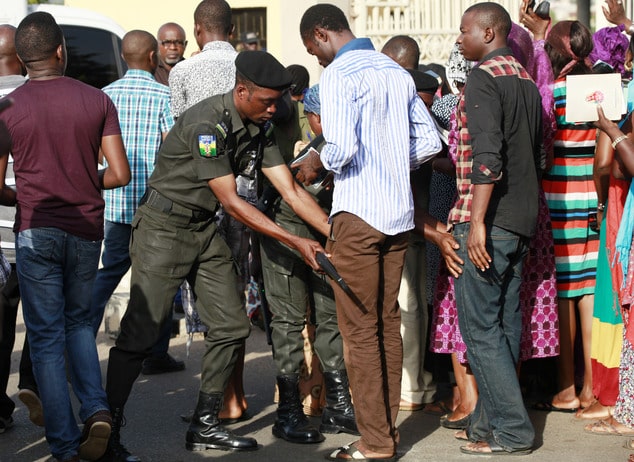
339, 121
111, 121
271, 156
207, 149
484, 119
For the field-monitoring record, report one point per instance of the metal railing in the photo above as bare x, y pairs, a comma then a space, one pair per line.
434, 24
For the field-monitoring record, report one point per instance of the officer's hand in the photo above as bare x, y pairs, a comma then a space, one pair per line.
309, 248
308, 169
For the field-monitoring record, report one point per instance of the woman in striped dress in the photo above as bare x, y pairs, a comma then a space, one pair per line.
572, 197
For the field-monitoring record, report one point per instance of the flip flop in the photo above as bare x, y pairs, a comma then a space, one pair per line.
605, 428
545, 406
349, 452
437, 408
459, 424
483, 448
594, 411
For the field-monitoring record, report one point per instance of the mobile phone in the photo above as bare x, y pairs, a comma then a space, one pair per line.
543, 10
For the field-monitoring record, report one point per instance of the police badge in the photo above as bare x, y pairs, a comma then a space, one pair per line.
207, 145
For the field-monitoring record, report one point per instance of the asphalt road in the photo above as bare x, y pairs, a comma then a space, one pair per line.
155, 432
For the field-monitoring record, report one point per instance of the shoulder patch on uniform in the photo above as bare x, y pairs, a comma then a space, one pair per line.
222, 129
207, 145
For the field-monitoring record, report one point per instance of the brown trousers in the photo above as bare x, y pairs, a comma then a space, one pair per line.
371, 263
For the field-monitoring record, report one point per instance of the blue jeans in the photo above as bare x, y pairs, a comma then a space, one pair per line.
491, 323
115, 263
56, 271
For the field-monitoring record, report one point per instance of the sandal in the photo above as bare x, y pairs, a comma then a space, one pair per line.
482, 448
437, 408
349, 452
595, 411
607, 427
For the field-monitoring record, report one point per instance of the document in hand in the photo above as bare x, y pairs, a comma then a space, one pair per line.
584, 92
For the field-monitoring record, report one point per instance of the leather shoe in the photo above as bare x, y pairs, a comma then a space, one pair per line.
95, 436
32, 402
161, 365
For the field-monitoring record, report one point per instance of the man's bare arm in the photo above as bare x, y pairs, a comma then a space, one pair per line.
117, 173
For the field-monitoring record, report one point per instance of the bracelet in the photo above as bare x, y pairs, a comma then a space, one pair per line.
600, 207
618, 140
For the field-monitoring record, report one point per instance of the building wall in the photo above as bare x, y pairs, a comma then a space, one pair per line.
434, 23
283, 18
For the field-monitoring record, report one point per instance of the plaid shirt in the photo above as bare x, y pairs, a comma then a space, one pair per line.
489, 165
461, 211
144, 115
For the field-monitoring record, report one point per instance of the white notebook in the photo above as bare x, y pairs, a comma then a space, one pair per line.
584, 92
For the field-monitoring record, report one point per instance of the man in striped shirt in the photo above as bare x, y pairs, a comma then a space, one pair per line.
377, 129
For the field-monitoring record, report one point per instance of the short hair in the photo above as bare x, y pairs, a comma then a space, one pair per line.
136, 44
323, 15
492, 15
170, 25
37, 37
404, 50
214, 16
301, 78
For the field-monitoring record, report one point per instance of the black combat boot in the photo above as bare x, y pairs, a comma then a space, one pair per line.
291, 423
205, 431
338, 415
116, 451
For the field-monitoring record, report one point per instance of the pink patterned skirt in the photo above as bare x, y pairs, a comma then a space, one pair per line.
538, 298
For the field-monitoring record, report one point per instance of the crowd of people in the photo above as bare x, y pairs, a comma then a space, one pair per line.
497, 230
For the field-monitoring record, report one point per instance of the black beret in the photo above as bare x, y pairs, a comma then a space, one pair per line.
263, 70
424, 82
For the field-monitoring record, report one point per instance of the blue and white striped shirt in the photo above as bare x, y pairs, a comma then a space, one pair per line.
377, 128
144, 111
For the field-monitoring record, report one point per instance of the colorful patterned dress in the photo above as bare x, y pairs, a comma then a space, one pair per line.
571, 195
607, 322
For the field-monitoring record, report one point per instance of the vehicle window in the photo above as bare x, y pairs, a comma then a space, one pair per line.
94, 55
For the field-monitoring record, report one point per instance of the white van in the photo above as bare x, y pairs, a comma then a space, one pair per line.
93, 41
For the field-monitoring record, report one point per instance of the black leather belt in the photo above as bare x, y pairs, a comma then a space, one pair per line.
157, 201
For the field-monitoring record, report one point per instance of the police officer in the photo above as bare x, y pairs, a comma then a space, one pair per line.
175, 238
290, 286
